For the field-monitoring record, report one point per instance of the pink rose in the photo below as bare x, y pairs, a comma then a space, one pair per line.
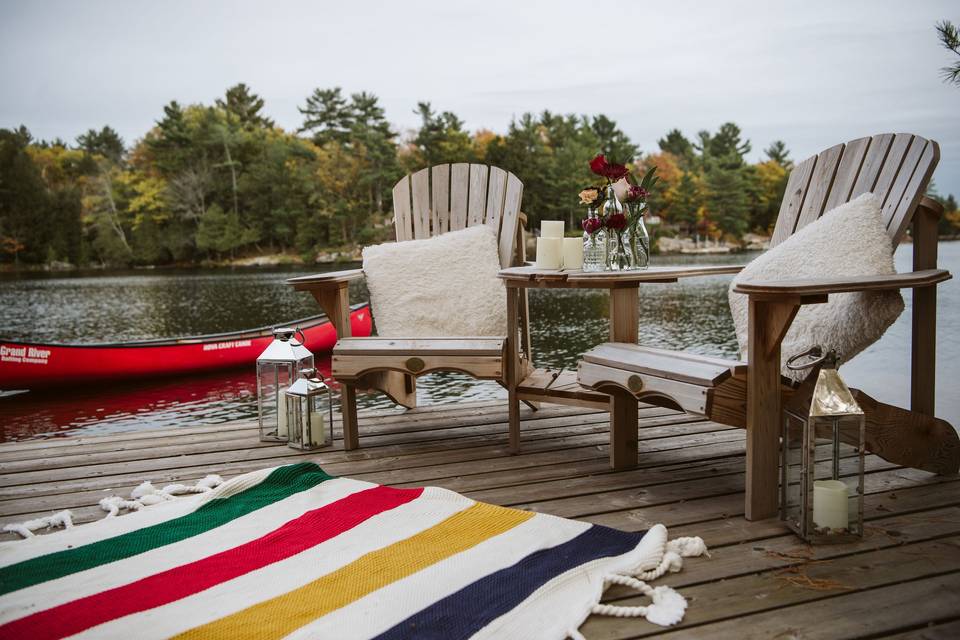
635, 193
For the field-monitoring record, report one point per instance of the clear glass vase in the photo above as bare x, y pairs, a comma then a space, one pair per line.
639, 243
619, 251
610, 211
594, 245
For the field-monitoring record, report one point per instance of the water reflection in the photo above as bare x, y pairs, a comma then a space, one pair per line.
163, 404
137, 305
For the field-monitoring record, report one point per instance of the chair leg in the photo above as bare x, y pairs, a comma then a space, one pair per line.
514, 413
623, 429
513, 367
348, 408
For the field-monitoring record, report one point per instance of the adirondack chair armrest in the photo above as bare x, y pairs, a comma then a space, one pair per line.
332, 280
773, 289
932, 206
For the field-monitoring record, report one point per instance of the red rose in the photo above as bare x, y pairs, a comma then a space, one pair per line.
608, 170
591, 225
598, 165
617, 221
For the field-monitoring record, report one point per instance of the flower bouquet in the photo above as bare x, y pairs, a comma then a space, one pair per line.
614, 236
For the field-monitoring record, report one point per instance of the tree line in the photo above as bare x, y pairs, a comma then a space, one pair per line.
214, 182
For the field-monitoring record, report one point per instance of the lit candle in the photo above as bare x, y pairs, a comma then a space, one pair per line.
572, 253
551, 229
549, 253
830, 509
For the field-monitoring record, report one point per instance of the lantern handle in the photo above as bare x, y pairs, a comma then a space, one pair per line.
299, 332
815, 352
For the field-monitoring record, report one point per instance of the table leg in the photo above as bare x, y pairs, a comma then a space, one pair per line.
513, 368
768, 323
624, 327
625, 314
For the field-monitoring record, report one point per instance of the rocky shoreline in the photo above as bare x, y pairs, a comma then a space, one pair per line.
665, 246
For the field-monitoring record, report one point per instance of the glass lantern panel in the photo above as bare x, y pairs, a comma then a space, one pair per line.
837, 479
297, 418
272, 379
792, 472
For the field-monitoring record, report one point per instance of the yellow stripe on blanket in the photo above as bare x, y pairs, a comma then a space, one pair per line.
285, 614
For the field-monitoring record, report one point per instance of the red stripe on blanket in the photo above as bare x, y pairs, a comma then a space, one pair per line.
292, 538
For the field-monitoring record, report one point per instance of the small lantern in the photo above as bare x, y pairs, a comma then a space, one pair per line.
821, 455
278, 367
309, 412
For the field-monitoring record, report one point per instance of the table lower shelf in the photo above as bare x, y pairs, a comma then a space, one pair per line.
542, 386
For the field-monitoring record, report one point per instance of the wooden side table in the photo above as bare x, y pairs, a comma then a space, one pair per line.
528, 384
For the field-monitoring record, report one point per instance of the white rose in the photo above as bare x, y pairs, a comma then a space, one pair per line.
620, 188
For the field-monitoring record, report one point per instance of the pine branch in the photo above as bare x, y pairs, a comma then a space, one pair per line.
949, 37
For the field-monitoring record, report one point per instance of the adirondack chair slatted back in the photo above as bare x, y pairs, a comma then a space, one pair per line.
895, 167
450, 197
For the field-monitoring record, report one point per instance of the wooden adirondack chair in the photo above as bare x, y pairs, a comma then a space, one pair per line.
897, 168
443, 198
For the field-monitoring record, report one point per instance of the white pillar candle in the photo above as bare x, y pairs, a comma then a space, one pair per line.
549, 253
318, 429
551, 229
573, 253
830, 509
282, 429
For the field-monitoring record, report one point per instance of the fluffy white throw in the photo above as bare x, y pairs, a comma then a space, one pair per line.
850, 240
441, 287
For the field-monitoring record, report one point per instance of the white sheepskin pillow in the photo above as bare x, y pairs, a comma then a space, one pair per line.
849, 240
441, 287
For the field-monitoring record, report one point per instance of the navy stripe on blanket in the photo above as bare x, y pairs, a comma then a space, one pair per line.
467, 611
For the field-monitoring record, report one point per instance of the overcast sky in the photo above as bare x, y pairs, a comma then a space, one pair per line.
810, 73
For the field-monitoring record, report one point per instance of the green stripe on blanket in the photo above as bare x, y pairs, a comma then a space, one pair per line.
282, 483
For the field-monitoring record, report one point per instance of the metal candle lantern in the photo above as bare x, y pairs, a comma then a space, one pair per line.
278, 367
823, 429
309, 412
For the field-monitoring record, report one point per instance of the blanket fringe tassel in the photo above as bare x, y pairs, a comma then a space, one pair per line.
145, 494
25, 529
142, 496
666, 606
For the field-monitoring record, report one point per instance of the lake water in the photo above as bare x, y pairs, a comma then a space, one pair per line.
107, 306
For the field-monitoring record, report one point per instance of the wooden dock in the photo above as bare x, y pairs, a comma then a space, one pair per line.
902, 580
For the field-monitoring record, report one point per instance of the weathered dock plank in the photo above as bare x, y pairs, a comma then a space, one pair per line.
902, 580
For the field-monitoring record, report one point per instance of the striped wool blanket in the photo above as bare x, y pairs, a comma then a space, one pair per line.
293, 552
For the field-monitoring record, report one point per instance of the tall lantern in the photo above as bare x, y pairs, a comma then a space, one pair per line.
821, 455
309, 412
278, 367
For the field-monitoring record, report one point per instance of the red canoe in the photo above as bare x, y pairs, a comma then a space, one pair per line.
25, 365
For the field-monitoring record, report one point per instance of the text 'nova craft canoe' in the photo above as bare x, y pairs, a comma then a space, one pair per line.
25, 365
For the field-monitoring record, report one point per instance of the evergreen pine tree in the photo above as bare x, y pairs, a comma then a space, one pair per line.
245, 106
